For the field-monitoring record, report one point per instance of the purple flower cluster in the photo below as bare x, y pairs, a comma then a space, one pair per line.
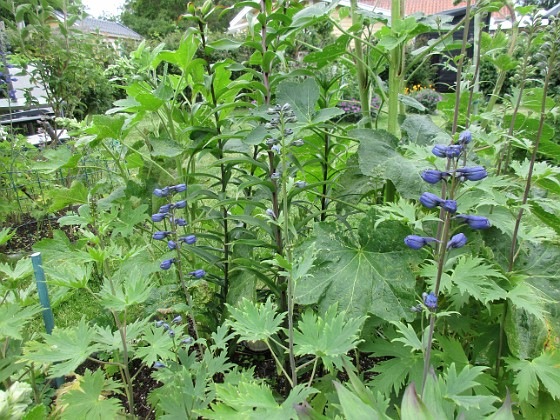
353, 109
452, 153
167, 212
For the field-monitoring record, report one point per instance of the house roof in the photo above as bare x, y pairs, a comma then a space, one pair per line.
428, 7
554, 11
107, 27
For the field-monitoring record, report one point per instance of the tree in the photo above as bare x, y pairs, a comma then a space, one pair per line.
154, 19
544, 4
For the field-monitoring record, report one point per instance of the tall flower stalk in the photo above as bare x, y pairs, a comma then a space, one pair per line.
176, 242
452, 177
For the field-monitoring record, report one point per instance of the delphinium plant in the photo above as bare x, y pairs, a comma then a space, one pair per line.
453, 176
176, 242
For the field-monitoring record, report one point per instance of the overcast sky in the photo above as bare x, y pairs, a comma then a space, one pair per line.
97, 8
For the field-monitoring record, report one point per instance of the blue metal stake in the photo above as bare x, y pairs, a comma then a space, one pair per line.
48, 316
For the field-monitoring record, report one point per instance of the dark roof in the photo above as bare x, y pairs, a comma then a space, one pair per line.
552, 11
109, 28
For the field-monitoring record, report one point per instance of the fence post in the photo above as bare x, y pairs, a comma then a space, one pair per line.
48, 316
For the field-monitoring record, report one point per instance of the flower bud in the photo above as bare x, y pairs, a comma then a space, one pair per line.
430, 300
181, 204
475, 222
417, 242
430, 200
164, 192
457, 241
171, 333
165, 208
159, 235
159, 324
180, 222
297, 143
300, 184
180, 188
197, 274
166, 264
465, 137
190, 239
270, 212
276, 149
475, 173
449, 205
178, 319
158, 365
171, 244
432, 176
158, 217
275, 175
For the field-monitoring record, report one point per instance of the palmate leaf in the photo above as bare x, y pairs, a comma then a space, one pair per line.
88, 402
354, 408
530, 374
470, 277
13, 319
329, 338
160, 346
65, 349
253, 400
373, 276
22, 270
255, 321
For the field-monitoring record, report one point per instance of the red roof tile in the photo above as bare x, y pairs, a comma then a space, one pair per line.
428, 7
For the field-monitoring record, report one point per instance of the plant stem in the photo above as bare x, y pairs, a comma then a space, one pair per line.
280, 365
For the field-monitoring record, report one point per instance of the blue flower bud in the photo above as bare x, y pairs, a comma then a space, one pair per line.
300, 184
197, 274
164, 192
171, 333
454, 150
165, 208
271, 142
449, 205
475, 173
457, 241
465, 137
180, 188
276, 149
190, 239
270, 212
440, 150
417, 242
178, 319
475, 222
430, 300
275, 175
159, 324
158, 217
166, 264
171, 244
432, 176
180, 222
181, 204
159, 365
187, 340
159, 235
288, 132
430, 200
298, 143
165, 326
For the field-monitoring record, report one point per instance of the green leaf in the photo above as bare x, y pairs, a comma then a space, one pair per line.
159, 348
133, 290
21, 271
408, 336
329, 338
372, 276
6, 234
39, 412
89, 401
302, 97
62, 197
53, 159
379, 159
14, 318
326, 114
128, 219
505, 412
421, 130
471, 277
526, 334
353, 407
255, 321
528, 374
412, 407
225, 44
107, 127
65, 349
165, 148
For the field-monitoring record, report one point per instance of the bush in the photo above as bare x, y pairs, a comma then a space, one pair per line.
427, 96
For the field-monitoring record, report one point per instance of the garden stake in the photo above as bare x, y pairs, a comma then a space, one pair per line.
48, 316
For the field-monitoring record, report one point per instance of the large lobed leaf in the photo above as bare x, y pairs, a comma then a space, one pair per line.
372, 276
